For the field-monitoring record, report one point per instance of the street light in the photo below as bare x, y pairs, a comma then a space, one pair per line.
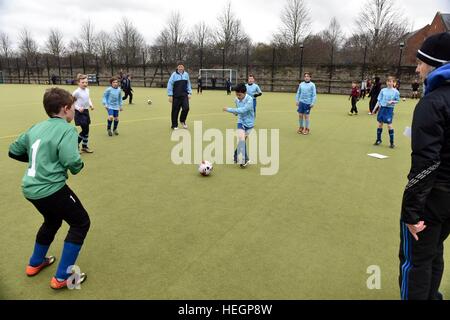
402, 45
301, 62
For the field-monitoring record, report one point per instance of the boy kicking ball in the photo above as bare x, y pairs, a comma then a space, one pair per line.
246, 121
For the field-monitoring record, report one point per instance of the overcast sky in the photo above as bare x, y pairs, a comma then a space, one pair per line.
260, 18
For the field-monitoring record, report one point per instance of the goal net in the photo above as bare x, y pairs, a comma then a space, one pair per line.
216, 78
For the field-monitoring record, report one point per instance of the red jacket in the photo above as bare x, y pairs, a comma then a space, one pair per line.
355, 92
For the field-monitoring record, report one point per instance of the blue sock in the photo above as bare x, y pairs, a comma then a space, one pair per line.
379, 132
116, 123
300, 123
38, 254
68, 258
391, 136
307, 124
109, 124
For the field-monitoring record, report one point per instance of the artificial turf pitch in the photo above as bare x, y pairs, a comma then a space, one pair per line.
161, 231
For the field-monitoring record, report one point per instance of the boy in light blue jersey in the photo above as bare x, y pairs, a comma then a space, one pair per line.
112, 100
253, 90
246, 121
305, 100
387, 99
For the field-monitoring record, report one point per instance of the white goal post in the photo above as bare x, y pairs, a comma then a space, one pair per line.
220, 76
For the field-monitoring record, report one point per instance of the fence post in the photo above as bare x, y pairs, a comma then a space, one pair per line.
331, 69
18, 70
48, 70
143, 67
97, 70
37, 70
71, 67
59, 68
82, 61
273, 69
111, 64
28, 70
9, 69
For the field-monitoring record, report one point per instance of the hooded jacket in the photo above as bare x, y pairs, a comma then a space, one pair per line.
430, 142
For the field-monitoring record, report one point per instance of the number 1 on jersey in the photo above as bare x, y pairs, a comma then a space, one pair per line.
34, 148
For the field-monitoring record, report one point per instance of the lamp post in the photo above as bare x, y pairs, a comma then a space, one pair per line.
300, 71
402, 45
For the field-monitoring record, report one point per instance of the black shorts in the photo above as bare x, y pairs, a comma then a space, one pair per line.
63, 205
82, 118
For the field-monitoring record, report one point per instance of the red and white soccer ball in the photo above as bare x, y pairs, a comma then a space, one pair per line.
205, 168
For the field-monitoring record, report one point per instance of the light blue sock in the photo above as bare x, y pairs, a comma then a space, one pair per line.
301, 122
307, 124
68, 258
241, 150
38, 254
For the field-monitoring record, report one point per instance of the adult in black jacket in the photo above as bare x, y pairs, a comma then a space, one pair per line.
126, 87
425, 213
373, 94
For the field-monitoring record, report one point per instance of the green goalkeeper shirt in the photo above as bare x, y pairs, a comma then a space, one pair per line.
52, 149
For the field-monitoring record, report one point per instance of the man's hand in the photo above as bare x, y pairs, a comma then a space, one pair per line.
416, 228
170, 99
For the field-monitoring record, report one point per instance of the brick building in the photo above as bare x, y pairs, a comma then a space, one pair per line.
413, 40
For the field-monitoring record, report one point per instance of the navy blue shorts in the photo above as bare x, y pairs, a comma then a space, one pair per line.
385, 115
114, 113
246, 129
304, 108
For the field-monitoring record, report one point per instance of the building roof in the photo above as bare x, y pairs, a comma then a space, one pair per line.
446, 19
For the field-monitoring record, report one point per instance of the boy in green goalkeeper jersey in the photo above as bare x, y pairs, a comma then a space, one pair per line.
51, 148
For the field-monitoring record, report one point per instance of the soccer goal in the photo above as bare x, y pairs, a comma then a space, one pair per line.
216, 78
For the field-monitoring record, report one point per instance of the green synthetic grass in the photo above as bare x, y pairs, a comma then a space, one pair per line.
161, 231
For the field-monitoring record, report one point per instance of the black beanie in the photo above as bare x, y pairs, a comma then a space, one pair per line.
435, 50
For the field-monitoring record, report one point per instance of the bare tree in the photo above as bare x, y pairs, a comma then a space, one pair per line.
333, 34
240, 38
176, 28
199, 38
172, 38
227, 24
128, 41
87, 37
295, 23
5, 45
382, 25
103, 46
200, 35
54, 44
75, 46
27, 45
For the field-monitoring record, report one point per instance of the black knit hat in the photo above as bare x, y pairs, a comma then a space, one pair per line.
435, 50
